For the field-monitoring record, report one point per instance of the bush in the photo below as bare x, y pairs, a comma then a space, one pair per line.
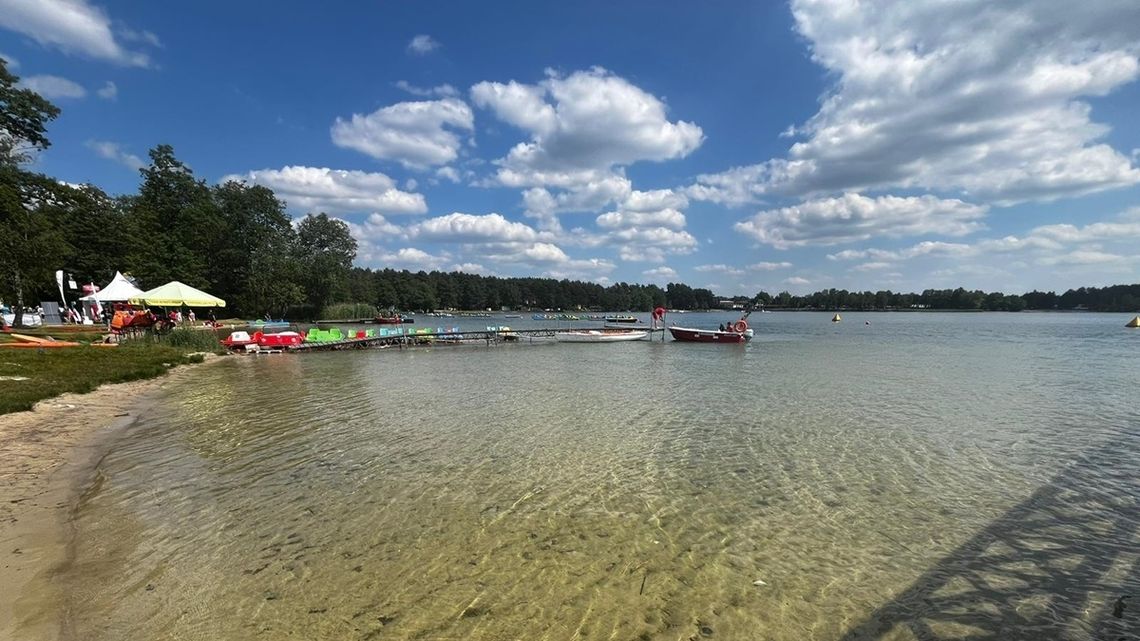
182, 339
199, 340
348, 311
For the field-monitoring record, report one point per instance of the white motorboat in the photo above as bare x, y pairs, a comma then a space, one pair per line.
599, 336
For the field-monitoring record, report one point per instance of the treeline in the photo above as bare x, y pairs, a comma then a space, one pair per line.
1116, 298
404, 290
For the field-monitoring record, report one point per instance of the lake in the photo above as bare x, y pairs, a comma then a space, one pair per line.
929, 475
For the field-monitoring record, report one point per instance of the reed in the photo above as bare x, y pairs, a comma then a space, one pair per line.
348, 311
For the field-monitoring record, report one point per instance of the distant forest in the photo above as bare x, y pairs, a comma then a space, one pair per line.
437, 290
238, 242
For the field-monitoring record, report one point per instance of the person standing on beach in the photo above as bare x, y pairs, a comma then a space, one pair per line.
191, 317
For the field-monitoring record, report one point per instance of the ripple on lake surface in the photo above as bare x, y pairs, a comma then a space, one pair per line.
929, 476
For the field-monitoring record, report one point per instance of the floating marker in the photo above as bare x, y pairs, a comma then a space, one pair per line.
836, 318
1134, 323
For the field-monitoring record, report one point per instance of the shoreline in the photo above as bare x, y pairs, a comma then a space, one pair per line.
48, 458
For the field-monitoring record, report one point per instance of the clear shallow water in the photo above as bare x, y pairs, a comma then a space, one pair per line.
926, 476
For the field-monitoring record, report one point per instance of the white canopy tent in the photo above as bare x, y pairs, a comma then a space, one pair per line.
119, 290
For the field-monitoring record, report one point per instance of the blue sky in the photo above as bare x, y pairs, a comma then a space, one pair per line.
736, 146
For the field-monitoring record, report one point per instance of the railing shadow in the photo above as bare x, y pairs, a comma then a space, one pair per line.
1053, 567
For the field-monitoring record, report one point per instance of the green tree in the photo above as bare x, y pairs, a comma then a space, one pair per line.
325, 250
29, 239
177, 230
254, 265
24, 115
31, 245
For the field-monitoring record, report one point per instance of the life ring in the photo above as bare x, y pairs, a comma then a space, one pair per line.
739, 326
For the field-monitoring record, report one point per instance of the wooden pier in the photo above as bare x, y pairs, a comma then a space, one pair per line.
476, 337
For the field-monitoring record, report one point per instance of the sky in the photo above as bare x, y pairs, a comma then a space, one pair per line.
739, 146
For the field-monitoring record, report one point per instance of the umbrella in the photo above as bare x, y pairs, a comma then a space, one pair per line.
175, 294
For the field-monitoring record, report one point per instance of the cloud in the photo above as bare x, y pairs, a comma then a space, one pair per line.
796, 280
1088, 233
852, 217
375, 227
660, 273
114, 151
468, 228
927, 247
873, 266
968, 97
655, 200
109, 91
1085, 257
1054, 242
53, 87
448, 173
441, 91
72, 26
669, 218
767, 266
422, 45
335, 190
580, 125
12, 63
585, 193
415, 134
411, 259
719, 269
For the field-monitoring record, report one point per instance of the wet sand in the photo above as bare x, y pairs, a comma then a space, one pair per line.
47, 456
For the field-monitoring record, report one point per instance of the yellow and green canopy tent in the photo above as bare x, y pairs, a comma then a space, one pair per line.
176, 294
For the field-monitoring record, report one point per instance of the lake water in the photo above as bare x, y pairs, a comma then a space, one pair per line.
926, 476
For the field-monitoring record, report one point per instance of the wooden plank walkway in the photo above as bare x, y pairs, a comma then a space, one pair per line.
488, 337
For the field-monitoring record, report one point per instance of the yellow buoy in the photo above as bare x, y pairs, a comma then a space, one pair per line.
836, 318
1135, 322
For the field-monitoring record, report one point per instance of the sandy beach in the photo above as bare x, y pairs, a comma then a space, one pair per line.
48, 457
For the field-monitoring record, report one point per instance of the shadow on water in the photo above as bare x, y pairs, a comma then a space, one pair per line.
1053, 567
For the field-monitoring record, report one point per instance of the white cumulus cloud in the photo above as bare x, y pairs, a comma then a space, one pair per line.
469, 228
442, 91
588, 120
109, 91
335, 190
72, 26
661, 273
852, 217
114, 151
965, 97
53, 87
423, 44
415, 134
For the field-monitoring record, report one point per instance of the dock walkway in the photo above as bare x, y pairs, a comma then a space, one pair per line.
487, 337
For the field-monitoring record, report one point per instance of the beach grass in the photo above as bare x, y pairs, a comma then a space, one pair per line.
31, 375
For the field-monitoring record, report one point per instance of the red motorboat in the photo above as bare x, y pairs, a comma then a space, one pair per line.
393, 320
738, 332
689, 335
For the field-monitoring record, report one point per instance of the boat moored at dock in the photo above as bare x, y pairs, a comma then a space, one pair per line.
738, 332
599, 336
691, 335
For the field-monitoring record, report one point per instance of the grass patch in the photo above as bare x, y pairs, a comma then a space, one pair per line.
52, 372
184, 339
